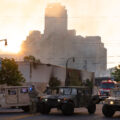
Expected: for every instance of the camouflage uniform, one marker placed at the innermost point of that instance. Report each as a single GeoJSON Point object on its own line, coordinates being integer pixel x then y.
{"type": "Point", "coordinates": [33, 100]}
{"type": "Point", "coordinates": [47, 91]}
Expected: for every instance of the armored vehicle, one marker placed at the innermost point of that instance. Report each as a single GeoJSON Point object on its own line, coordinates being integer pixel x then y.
{"type": "Point", "coordinates": [15, 97]}
{"type": "Point", "coordinates": [67, 98]}
{"type": "Point", "coordinates": [112, 103]}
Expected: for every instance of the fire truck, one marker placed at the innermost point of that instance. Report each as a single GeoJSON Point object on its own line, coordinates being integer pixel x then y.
{"type": "Point", "coordinates": [105, 87]}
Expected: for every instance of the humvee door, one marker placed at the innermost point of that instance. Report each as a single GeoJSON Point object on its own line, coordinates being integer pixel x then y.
{"type": "Point", "coordinates": [23, 95]}
{"type": "Point", "coordinates": [11, 95]}
{"type": "Point", "coordinates": [83, 97]}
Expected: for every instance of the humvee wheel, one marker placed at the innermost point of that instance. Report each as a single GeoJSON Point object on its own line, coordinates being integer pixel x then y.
{"type": "Point", "coordinates": [96, 99]}
{"type": "Point", "coordinates": [68, 108]}
{"type": "Point", "coordinates": [107, 111]}
{"type": "Point", "coordinates": [44, 108]}
{"type": "Point", "coordinates": [91, 108]}
{"type": "Point", "coordinates": [26, 108]}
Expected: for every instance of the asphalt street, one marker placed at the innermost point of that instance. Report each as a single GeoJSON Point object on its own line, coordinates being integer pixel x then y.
{"type": "Point", "coordinates": [80, 114]}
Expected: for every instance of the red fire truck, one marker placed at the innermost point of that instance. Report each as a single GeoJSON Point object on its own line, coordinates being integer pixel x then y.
{"type": "Point", "coordinates": [105, 87]}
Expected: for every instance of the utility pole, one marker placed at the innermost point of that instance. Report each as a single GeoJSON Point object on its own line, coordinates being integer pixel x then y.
{"type": "Point", "coordinates": [67, 81]}
{"type": "Point", "coordinates": [0, 58]}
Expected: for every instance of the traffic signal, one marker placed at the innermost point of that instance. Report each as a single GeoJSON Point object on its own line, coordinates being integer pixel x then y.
{"type": "Point", "coordinates": [5, 42]}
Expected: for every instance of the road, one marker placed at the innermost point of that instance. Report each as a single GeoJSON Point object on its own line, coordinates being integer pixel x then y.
{"type": "Point", "coordinates": [80, 114]}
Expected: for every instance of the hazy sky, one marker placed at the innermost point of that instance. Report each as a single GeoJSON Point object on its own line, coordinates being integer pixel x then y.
{"type": "Point", "coordinates": [87, 17]}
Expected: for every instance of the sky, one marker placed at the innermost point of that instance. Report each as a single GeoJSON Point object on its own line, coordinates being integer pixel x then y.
{"type": "Point", "coordinates": [87, 17]}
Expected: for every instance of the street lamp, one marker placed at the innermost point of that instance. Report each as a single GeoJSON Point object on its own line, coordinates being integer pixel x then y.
{"type": "Point", "coordinates": [4, 40]}
{"type": "Point", "coordinates": [67, 81]}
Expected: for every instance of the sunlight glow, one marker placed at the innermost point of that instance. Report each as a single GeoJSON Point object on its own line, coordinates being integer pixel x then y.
{"type": "Point", "coordinates": [14, 42]}
{"type": "Point", "coordinates": [87, 17]}
{"type": "Point", "coordinates": [11, 49]}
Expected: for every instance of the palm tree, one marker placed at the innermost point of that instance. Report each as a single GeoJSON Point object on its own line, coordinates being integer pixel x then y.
{"type": "Point", "coordinates": [33, 62]}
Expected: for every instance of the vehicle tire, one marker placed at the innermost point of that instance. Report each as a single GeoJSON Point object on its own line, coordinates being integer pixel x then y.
{"type": "Point", "coordinates": [44, 108]}
{"type": "Point", "coordinates": [68, 108]}
{"type": "Point", "coordinates": [107, 111]}
{"type": "Point", "coordinates": [26, 108]}
{"type": "Point", "coordinates": [91, 108]}
{"type": "Point", "coordinates": [38, 107]}
{"type": "Point", "coordinates": [96, 99]}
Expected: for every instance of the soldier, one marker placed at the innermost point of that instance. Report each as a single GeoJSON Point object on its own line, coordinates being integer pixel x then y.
{"type": "Point", "coordinates": [33, 99]}
{"type": "Point", "coordinates": [47, 90]}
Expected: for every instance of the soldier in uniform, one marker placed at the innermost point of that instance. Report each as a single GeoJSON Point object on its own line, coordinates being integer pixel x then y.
{"type": "Point", "coordinates": [47, 90]}
{"type": "Point", "coordinates": [33, 99]}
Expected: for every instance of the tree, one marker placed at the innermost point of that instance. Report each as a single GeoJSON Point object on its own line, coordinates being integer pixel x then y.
{"type": "Point", "coordinates": [34, 62]}
{"type": "Point", "coordinates": [116, 73]}
{"type": "Point", "coordinates": [9, 73]}
{"type": "Point", "coordinates": [54, 82]}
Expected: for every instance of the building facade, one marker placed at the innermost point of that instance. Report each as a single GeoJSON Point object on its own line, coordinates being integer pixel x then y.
{"type": "Point", "coordinates": [57, 44]}
{"type": "Point", "coordinates": [41, 74]}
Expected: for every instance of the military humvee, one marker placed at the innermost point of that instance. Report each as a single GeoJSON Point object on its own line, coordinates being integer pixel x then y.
{"type": "Point", "coordinates": [15, 97]}
{"type": "Point", "coordinates": [112, 104]}
{"type": "Point", "coordinates": [67, 98]}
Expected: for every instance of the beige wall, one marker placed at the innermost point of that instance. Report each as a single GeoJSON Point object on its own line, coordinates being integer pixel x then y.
{"type": "Point", "coordinates": [41, 74]}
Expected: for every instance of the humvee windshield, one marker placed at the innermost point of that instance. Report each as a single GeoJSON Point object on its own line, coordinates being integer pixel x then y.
{"type": "Point", "coordinates": [68, 91]}
{"type": "Point", "coordinates": [115, 93]}
{"type": "Point", "coordinates": [64, 91]}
